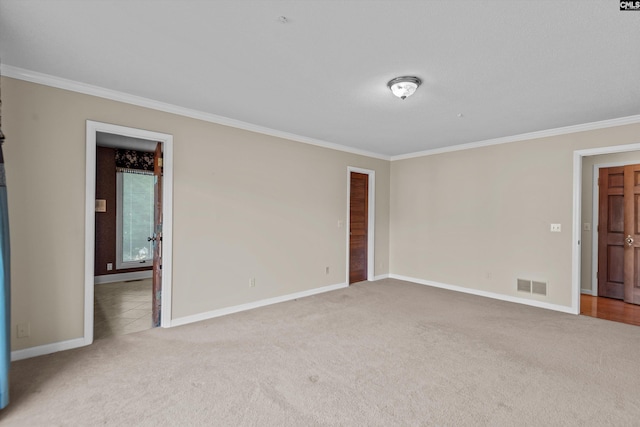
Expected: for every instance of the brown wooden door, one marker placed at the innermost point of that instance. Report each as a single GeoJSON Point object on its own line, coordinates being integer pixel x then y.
{"type": "Point", "coordinates": [619, 233]}
{"type": "Point", "coordinates": [157, 236]}
{"type": "Point", "coordinates": [358, 227]}
{"type": "Point", "coordinates": [632, 233]}
{"type": "Point", "coordinates": [611, 233]}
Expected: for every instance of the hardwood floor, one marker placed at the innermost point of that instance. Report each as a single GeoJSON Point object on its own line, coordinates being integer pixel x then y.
{"type": "Point", "coordinates": [610, 309]}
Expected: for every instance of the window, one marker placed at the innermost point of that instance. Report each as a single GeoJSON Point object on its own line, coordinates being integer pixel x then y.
{"type": "Point", "coordinates": [134, 219]}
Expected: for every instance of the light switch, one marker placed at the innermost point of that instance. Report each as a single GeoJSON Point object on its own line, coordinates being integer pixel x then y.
{"type": "Point", "coordinates": [556, 228]}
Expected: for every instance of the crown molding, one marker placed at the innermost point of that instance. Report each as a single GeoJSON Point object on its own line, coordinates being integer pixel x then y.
{"type": "Point", "coordinates": [60, 83]}
{"type": "Point", "coordinates": [525, 136]}
{"type": "Point", "coordinates": [87, 89]}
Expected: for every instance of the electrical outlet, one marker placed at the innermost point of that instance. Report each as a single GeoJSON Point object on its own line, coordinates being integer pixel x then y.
{"type": "Point", "coordinates": [556, 228]}
{"type": "Point", "coordinates": [109, 266]}
{"type": "Point", "coordinates": [24, 330]}
{"type": "Point", "coordinates": [252, 282]}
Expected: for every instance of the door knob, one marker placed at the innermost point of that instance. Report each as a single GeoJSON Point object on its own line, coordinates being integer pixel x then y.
{"type": "Point", "coordinates": [629, 240]}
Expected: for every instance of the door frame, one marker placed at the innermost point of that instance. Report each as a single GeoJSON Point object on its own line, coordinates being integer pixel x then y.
{"type": "Point", "coordinates": [371, 219]}
{"type": "Point", "coordinates": [576, 249]}
{"type": "Point", "coordinates": [92, 127]}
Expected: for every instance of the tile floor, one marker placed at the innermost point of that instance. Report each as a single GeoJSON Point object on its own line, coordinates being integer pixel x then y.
{"type": "Point", "coordinates": [121, 308]}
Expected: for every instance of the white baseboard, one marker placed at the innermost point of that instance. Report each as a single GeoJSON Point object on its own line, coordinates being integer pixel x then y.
{"type": "Point", "coordinates": [121, 277]}
{"type": "Point", "coordinates": [47, 349]}
{"type": "Point", "coordinates": [589, 292]}
{"type": "Point", "coordinates": [380, 277]}
{"type": "Point", "coordinates": [256, 304]}
{"type": "Point", "coordinates": [508, 298]}
{"type": "Point", "coordinates": [81, 342]}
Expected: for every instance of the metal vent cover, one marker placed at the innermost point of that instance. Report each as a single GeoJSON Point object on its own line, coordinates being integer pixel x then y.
{"type": "Point", "coordinates": [524, 285]}
{"type": "Point", "coordinates": [539, 288]}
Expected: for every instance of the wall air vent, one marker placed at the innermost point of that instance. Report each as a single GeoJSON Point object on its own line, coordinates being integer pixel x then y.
{"type": "Point", "coordinates": [533, 287]}
{"type": "Point", "coordinates": [539, 288]}
{"type": "Point", "coordinates": [524, 285]}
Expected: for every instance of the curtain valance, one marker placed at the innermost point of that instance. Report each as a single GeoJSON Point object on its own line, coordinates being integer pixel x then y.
{"type": "Point", "coordinates": [134, 160]}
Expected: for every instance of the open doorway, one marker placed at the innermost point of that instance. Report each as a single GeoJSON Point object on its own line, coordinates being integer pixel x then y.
{"type": "Point", "coordinates": [150, 245]}
{"type": "Point", "coordinates": [587, 164]}
{"type": "Point", "coordinates": [605, 253]}
{"type": "Point", "coordinates": [124, 222]}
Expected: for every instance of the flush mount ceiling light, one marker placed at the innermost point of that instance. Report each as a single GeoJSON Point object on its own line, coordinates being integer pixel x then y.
{"type": "Point", "coordinates": [405, 86]}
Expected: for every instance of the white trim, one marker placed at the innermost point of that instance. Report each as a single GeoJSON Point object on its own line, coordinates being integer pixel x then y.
{"type": "Point", "coordinates": [89, 233]}
{"type": "Point", "coordinates": [577, 213]}
{"type": "Point", "coordinates": [371, 220]}
{"type": "Point", "coordinates": [501, 297]}
{"type": "Point", "coordinates": [92, 127]}
{"type": "Point", "coordinates": [595, 220]}
{"type": "Point", "coordinates": [525, 136]}
{"type": "Point", "coordinates": [257, 304]}
{"type": "Point", "coordinates": [576, 230]}
{"type": "Point", "coordinates": [167, 232]}
{"type": "Point", "coordinates": [122, 277]}
{"type": "Point", "coordinates": [60, 83]}
{"type": "Point", "coordinates": [381, 277]}
{"type": "Point", "coordinates": [47, 349]}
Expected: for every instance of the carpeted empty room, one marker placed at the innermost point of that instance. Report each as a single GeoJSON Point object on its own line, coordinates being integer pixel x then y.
{"type": "Point", "coordinates": [375, 353]}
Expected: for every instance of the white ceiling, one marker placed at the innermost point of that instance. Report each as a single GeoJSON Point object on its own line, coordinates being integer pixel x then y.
{"type": "Point", "coordinates": [509, 67]}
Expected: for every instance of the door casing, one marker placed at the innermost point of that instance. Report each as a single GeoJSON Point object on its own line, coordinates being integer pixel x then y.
{"type": "Point", "coordinates": [92, 127]}
{"type": "Point", "coordinates": [577, 214]}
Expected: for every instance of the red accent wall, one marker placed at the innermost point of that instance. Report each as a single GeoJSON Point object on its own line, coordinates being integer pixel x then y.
{"type": "Point", "coordinates": [105, 250]}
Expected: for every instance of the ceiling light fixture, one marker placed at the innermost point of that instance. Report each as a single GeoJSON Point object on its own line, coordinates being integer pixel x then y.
{"type": "Point", "coordinates": [405, 86]}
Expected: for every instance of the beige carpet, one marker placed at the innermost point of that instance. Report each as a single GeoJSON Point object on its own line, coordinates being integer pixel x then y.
{"type": "Point", "coordinates": [386, 353]}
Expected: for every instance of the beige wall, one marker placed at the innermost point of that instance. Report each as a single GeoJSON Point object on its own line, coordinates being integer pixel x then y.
{"type": "Point", "coordinates": [245, 205]}
{"type": "Point", "coordinates": [480, 218]}
{"type": "Point", "coordinates": [587, 208]}
{"type": "Point", "coordinates": [249, 205]}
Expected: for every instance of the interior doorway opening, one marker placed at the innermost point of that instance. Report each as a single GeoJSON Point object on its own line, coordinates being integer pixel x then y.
{"type": "Point", "coordinates": [101, 135]}
{"type": "Point", "coordinates": [585, 220]}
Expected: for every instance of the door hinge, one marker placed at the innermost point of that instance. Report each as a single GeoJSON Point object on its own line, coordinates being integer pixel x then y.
{"type": "Point", "coordinates": [160, 162]}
